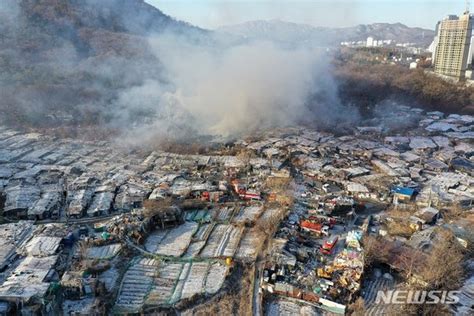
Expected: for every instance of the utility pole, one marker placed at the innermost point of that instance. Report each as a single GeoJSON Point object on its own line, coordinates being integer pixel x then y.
{"type": "Point", "coordinates": [431, 192]}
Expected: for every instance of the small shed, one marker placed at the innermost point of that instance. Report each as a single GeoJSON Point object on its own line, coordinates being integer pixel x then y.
{"type": "Point", "coordinates": [403, 194]}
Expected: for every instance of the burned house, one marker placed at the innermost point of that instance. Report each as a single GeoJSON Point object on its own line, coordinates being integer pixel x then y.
{"type": "Point", "coordinates": [43, 246]}
{"type": "Point", "coordinates": [11, 237]}
{"type": "Point", "coordinates": [101, 203]}
{"type": "Point", "coordinates": [50, 203]}
{"type": "Point", "coordinates": [130, 196]}
{"type": "Point", "coordinates": [78, 202]}
{"type": "Point", "coordinates": [19, 199]}
{"type": "Point", "coordinates": [428, 215]}
{"type": "Point", "coordinates": [72, 285]}
{"type": "Point", "coordinates": [28, 282]}
{"type": "Point", "coordinates": [79, 195]}
{"type": "Point", "coordinates": [27, 286]}
{"type": "Point", "coordinates": [163, 216]}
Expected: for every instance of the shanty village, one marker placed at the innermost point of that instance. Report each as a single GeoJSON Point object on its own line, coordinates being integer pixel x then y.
{"type": "Point", "coordinates": [289, 221]}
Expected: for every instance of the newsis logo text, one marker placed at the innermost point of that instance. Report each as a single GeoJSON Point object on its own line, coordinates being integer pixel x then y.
{"type": "Point", "coordinates": [417, 297]}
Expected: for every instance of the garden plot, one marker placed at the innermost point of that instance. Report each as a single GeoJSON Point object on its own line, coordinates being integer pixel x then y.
{"type": "Point", "coordinates": [194, 249]}
{"type": "Point", "coordinates": [165, 284]}
{"type": "Point", "coordinates": [199, 240]}
{"type": "Point", "coordinates": [200, 216]}
{"type": "Point", "coordinates": [176, 240]}
{"type": "Point", "coordinates": [223, 241]}
{"type": "Point", "coordinates": [154, 239]}
{"type": "Point", "coordinates": [109, 278]}
{"type": "Point", "coordinates": [136, 285]}
{"type": "Point", "coordinates": [177, 281]}
{"type": "Point", "coordinates": [195, 281]}
{"type": "Point", "coordinates": [216, 277]}
{"type": "Point", "coordinates": [248, 214]}
{"type": "Point", "coordinates": [203, 232]}
{"type": "Point", "coordinates": [250, 245]}
{"type": "Point", "coordinates": [224, 214]}
{"type": "Point", "coordinates": [286, 307]}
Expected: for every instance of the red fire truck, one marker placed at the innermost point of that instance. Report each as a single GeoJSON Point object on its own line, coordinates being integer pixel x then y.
{"type": "Point", "coordinates": [314, 227]}
{"type": "Point", "coordinates": [329, 245]}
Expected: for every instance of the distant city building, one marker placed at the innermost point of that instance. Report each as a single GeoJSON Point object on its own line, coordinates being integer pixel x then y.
{"type": "Point", "coordinates": [370, 41]}
{"type": "Point", "coordinates": [452, 46]}
{"type": "Point", "coordinates": [433, 45]}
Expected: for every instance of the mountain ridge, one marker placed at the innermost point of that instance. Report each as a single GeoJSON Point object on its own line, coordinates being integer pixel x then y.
{"type": "Point", "coordinates": [283, 31]}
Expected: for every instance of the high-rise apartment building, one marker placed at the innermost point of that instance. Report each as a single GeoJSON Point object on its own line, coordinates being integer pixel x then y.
{"type": "Point", "coordinates": [453, 49]}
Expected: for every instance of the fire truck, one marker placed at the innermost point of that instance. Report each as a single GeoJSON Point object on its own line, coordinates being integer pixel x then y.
{"type": "Point", "coordinates": [243, 193]}
{"type": "Point", "coordinates": [329, 245]}
{"type": "Point", "coordinates": [323, 219]}
{"type": "Point", "coordinates": [314, 227]}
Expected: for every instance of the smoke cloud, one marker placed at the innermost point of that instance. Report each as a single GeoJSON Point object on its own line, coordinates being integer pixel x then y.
{"type": "Point", "coordinates": [230, 90]}
{"type": "Point", "coordinates": [123, 65]}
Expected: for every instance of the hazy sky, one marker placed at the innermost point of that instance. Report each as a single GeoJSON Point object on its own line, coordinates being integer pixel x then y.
{"type": "Point", "coordinates": [214, 13]}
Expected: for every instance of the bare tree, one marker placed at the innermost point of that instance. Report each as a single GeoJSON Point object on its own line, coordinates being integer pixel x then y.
{"type": "Point", "coordinates": [410, 260]}
{"type": "Point", "coordinates": [443, 268]}
{"type": "Point", "coordinates": [358, 308]}
{"type": "Point", "coordinates": [376, 249]}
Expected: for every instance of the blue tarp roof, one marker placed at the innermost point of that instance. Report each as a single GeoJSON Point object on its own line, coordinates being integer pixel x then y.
{"type": "Point", "coordinates": [403, 191]}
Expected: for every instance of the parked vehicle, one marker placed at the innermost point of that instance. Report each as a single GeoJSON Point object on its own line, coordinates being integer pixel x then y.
{"type": "Point", "coordinates": [314, 227]}
{"type": "Point", "coordinates": [329, 245]}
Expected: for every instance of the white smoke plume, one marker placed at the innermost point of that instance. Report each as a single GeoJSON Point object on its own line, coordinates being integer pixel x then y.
{"type": "Point", "coordinates": [230, 90]}
{"type": "Point", "coordinates": [122, 64]}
